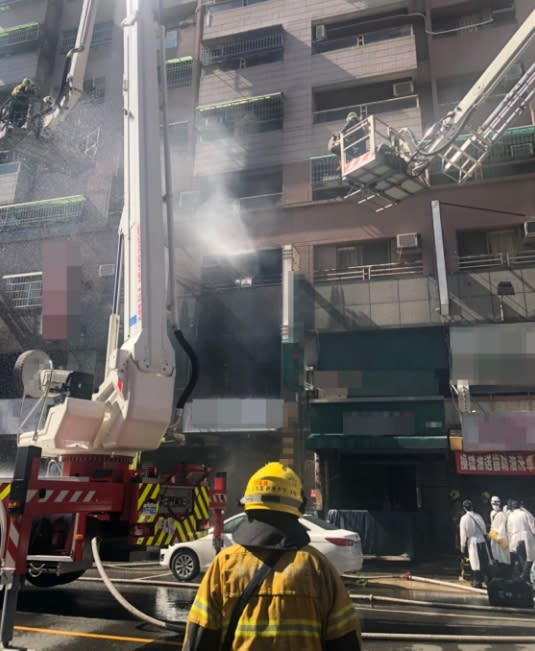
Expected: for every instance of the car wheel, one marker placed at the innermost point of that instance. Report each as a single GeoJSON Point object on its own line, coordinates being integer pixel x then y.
{"type": "Point", "coordinates": [184, 565]}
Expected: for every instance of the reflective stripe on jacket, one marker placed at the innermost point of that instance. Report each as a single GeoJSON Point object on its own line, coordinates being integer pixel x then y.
{"type": "Point", "coordinates": [301, 606]}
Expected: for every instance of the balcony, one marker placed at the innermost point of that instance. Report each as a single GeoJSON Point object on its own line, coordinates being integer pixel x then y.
{"type": "Point", "coordinates": [398, 112]}
{"type": "Point", "coordinates": [394, 56]}
{"type": "Point", "coordinates": [371, 271]}
{"type": "Point", "coordinates": [495, 260]}
{"type": "Point", "coordinates": [20, 38]}
{"type": "Point", "coordinates": [225, 5]}
{"type": "Point", "coordinates": [18, 221]}
{"type": "Point", "coordinates": [102, 37]}
{"type": "Point", "coordinates": [243, 50]}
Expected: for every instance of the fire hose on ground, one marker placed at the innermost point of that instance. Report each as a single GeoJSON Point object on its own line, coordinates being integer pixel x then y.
{"type": "Point", "coordinates": [413, 637]}
{"type": "Point", "coordinates": [122, 601]}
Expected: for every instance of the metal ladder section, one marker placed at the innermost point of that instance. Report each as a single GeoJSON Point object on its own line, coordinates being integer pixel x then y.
{"type": "Point", "coordinates": [459, 162]}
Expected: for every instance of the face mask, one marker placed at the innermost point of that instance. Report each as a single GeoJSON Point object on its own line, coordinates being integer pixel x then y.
{"type": "Point", "coordinates": [496, 506]}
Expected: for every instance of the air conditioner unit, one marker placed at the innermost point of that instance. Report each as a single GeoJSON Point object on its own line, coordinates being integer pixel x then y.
{"type": "Point", "coordinates": [529, 229]}
{"type": "Point", "coordinates": [408, 241]}
{"type": "Point", "coordinates": [105, 270]}
{"type": "Point", "coordinates": [402, 88]}
{"type": "Point", "coordinates": [320, 33]}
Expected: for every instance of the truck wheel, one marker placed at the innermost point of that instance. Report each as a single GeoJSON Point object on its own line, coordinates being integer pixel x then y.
{"type": "Point", "coordinates": [184, 565]}
{"type": "Point", "coordinates": [45, 580]}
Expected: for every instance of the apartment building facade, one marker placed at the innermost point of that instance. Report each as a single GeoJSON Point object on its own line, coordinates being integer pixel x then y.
{"type": "Point", "coordinates": [389, 392]}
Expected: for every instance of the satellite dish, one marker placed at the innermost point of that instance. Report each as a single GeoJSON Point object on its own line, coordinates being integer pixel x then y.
{"type": "Point", "coordinates": [27, 372]}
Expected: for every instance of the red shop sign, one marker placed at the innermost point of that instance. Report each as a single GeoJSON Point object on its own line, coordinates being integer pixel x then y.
{"type": "Point", "coordinates": [495, 463]}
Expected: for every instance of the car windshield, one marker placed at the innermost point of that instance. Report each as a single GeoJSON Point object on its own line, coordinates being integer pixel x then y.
{"type": "Point", "coordinates": [319, 523]}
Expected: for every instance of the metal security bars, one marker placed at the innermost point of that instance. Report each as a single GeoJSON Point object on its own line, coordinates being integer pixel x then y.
{"type": "Point", "coordinates": [243, 50]}
{"type": "Point", "coordinates": [224, 5]}
{"type": "Point", "coordinates": [240, 117]}
{"type": "Point", "coordinates": [19, 37]}
{"type": "Point", "coordinates": [102, 36]}
{"type": "Point", "coordinates": [325, 172]}
{"type": "Point", "coordinates": [179, 72]}
{"type": "Point", "coordinates": [24, 290]}
{"type": "Point", "coordinates": [95, 89]}
{"type": "Point", "coordinates": [41, 213]}
{"type": "Point", "coordinates": [515, 144]}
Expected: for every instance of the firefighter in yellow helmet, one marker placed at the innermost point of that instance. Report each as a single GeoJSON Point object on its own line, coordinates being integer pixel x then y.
{"type": "Point", "coordinates": [272, 590]}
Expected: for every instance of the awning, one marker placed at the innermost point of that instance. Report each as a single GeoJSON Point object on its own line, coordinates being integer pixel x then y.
{"type": "Point", "coordinates": [179, 60]}
{"type": "Point", "coordinates": [239, 102]}
{"type": "Point", "coordinates": [348, 442]}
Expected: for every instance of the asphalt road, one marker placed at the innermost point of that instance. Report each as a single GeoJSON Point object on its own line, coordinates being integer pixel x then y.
{"type": "Point", "coordinates": [84, 616]}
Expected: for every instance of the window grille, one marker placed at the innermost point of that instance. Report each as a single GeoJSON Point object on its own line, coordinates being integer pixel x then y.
{"type": "Point", "coordinates": [178, 134]}
{"type": "Point", "coordinates": [102, 36]}
{"type": "Point", "coordinates": [41, 213]}
{"type": "Point", "coordinates": [225, 5]}
{"type": "Point", "coordinates": [241, 50]}
{"type": "Point", "coordinates": [24, 290]}
{"type": "Point", "coordinates": [179, 72]}
{"type": "Point", "coordinates": [325, 172]}
{"type": "Point", "coordinates": [252, 115]}
{"type": "Point", "coordinates": [95, 89]}
{"type": "Point", "coordinates": [19, 35]}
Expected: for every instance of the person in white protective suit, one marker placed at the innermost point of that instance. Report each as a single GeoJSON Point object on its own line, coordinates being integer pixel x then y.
{"type": "Point", "coordinates": [499, 543]}
{"type": "Point", "coordinates": [472, 532]}
{"type": "Point", "coordinates": [521, 534]}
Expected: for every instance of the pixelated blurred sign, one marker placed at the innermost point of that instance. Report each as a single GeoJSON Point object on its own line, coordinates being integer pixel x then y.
{"type": "Point", "coordinates": [499, 431]}
{"type": "Point", "coordinates": [498, 354]}
{"type": "Point", "coordinates": [497, 463]}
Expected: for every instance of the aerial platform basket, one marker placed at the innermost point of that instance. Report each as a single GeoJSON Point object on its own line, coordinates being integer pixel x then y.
{"type": "Point", "coordinates": [370, 166]}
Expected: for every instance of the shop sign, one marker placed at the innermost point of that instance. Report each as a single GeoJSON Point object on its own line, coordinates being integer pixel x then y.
{"type": "Point", "coordinates": [495, 463]}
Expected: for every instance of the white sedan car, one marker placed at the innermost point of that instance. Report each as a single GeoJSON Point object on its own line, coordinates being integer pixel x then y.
{"type": "Point", "coordinates": [343, 548]}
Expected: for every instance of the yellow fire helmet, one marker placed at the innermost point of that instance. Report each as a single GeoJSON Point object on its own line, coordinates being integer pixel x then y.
{"type": "Point", "coordinates": [274, 487]}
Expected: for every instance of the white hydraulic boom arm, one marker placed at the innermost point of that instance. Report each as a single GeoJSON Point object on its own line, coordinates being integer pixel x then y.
{"type": "Point", "coordinates": [72, 84]}
{"type": "Point", "coordinates": [135, 403]}
{"type": "Point", "coordinates": [386, 165]}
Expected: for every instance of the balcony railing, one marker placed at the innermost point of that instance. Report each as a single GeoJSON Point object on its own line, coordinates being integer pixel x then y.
{"type": "Point", "coordinates": [240, 282]}
{"type": "Point", "coordinates": [493, 260]}
{"type": "Point", "coordinates": [242, 46]}
{"type": "Point", "coordinates": [19, 37]}
{"type": "Point", "coordinates": [364, 110]}
{"type": "Point", "coordinates": [225, 5]}
{"type": "Point", "coordinates": [41, 213]}
{"type": "Point", "coordinates": [325, 172]}
{"type": "Point", "coordinates": [361, 40]}
{"type": "Point", "coordinates": [260, 201]}
{"type": "Point", "coordinates": [370, 271]}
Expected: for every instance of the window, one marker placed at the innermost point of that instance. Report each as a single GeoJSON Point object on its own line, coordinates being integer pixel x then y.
{"type": "Point", "coordinates": [24, 290]}
{"type": "Point", "coordinates": [179, 72]}
{"type": "Point", "coordinates": [102, 36]}
{"type": "Point", "coordinates": [95, 89]}
{"type": "Point", "coordinates": [485, 243]}
{"type": "Point", "coordinates": [243, 50]}
{"type": "Point", "coordinates": [332, 104]}
{"type": "Point", "coordinates": [363, 254]}
{"type": "Point", "coordinates": [244, 270]}
{"type": "Point", "coordinates": [256, 189]}
{"type": "Point", "coordinates": [493, 13]}
{"type": "Point", "coordinates": [178, 135]}
{"type": "Point", "coordinates": [225, 5]}
{"type": "Point", "coordinates": [240, 117]}
{"type": "Point", "coordinates": [355, 32]}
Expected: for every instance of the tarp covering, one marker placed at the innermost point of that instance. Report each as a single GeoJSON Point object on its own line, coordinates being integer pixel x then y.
{"type": "Point", "coordinates": [386, 533]}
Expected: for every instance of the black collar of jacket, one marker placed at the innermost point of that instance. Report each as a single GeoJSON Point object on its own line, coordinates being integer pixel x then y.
{"type": "Point", "coordinates": [271, 530]}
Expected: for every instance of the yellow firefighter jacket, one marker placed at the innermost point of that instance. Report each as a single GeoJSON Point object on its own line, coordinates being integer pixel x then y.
{"type": "Point", "coordinates": [300, 606]}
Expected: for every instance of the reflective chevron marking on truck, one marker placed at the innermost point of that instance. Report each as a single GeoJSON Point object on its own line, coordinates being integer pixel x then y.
{"type": "Point", "coordinates": [148, 502]}
{"type": "Point", "coordinates": [169, 529]}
